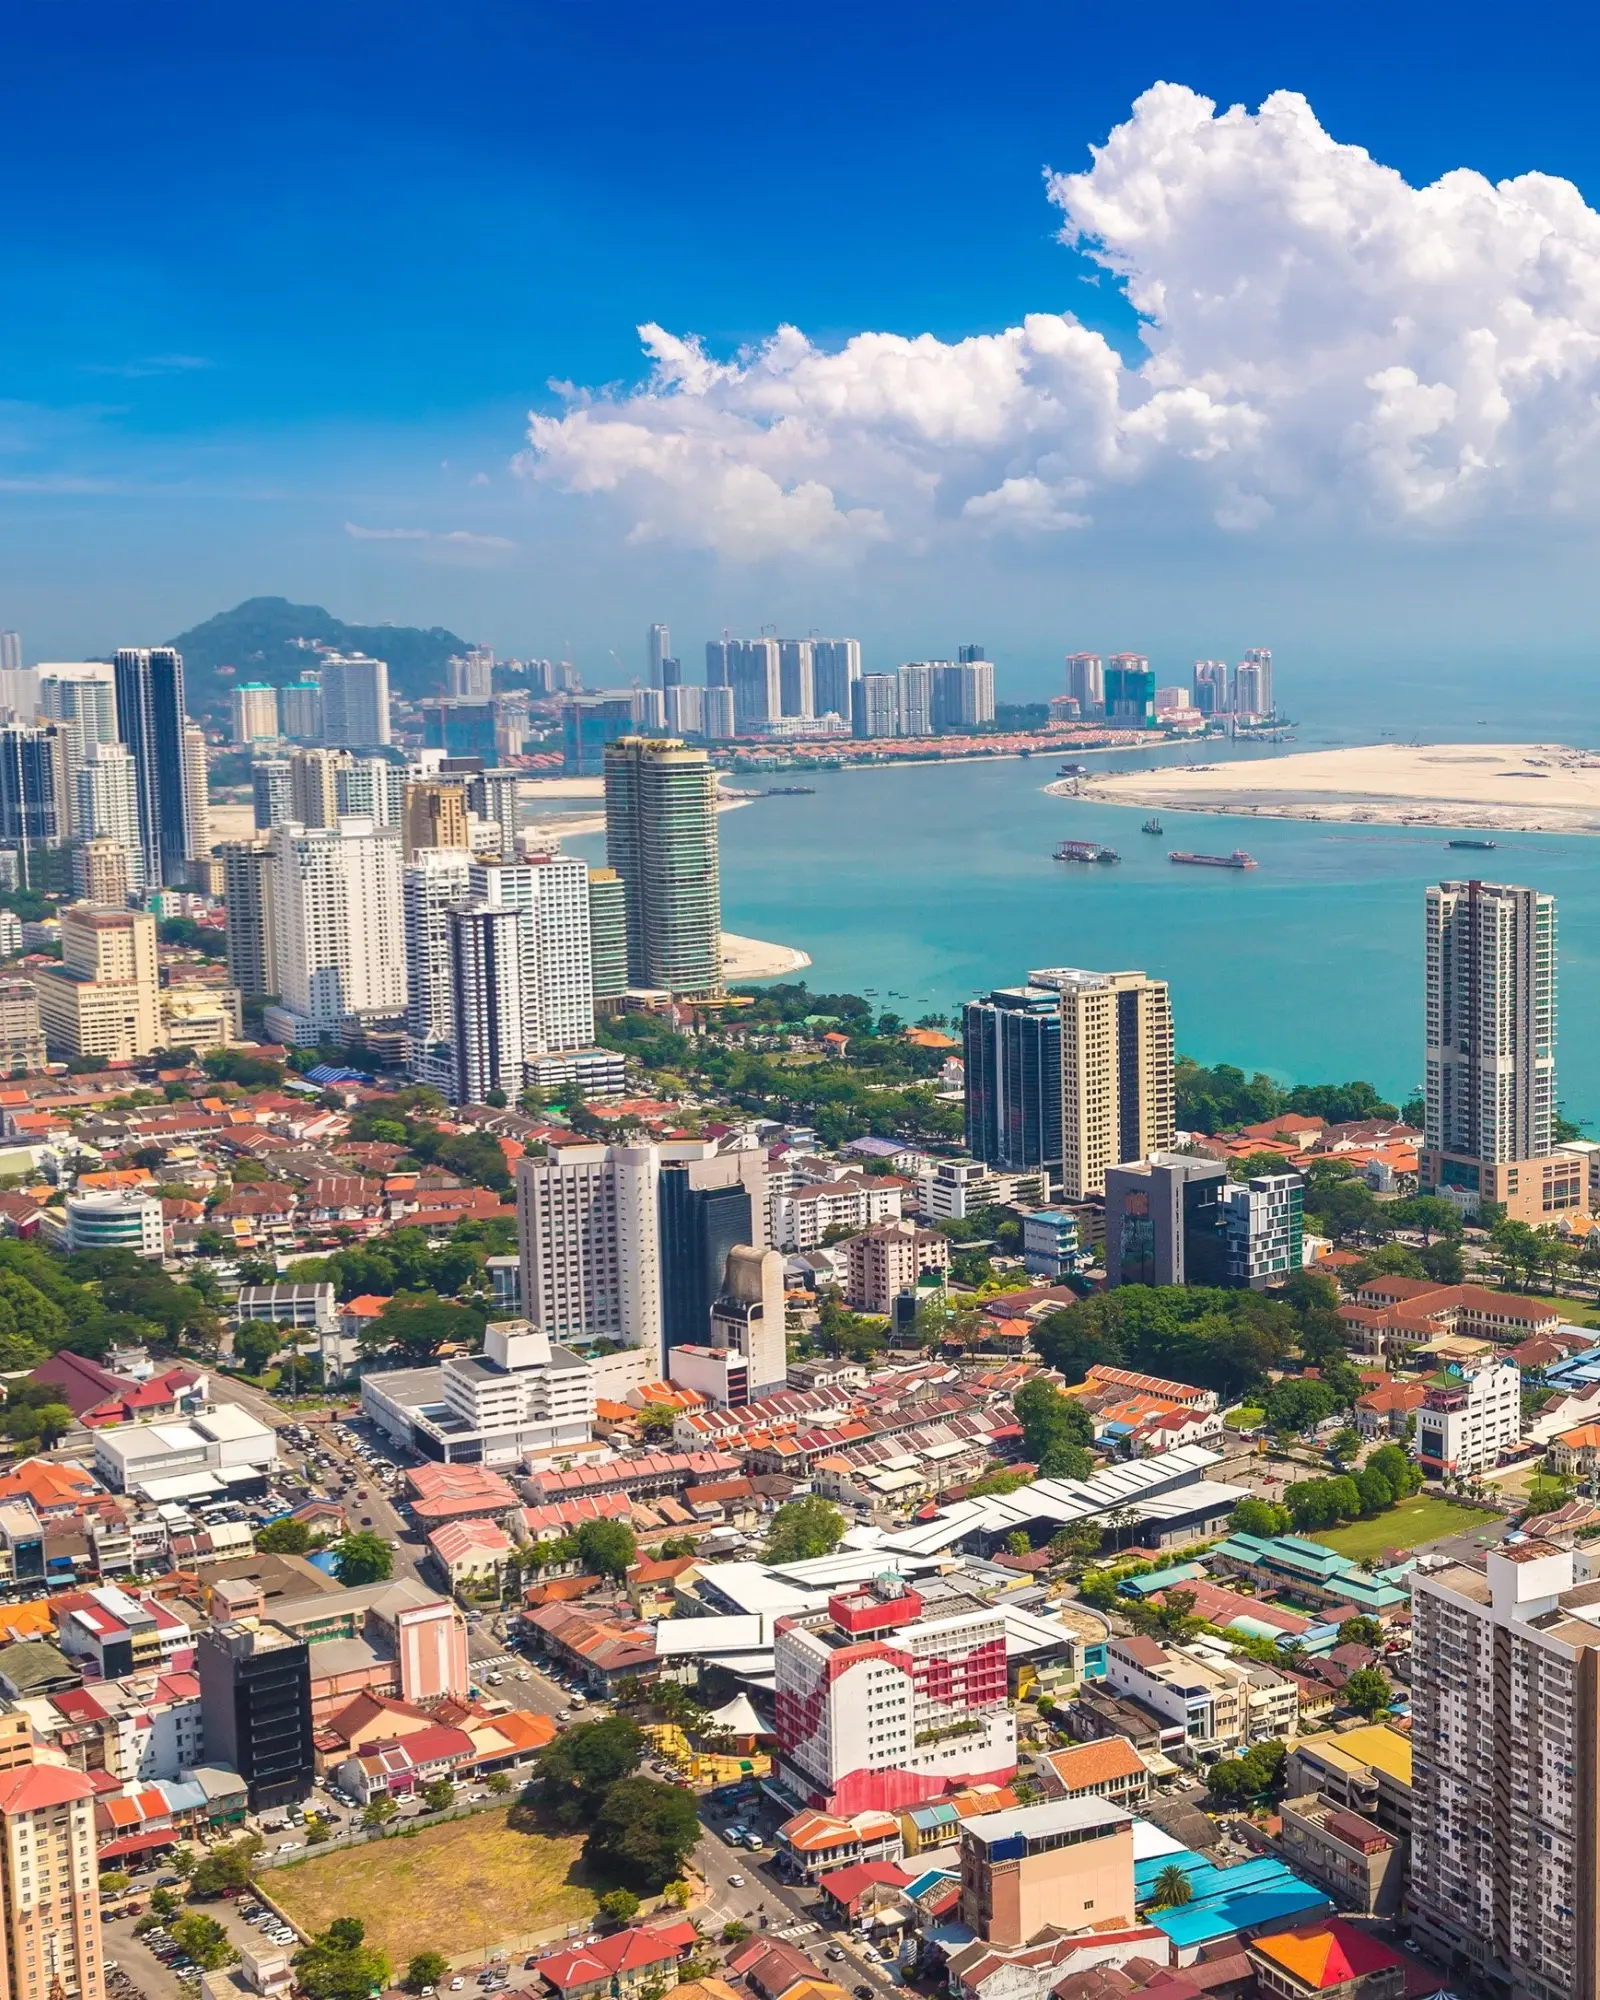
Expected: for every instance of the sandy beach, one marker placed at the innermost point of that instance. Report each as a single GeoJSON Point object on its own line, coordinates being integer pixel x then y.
{"type": "Point", "coordinates": [753, 958]}
{"type": "Point", "coordinates": [1504, 787]}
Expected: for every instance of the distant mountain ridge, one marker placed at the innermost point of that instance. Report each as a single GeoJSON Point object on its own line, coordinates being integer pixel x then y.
{"type": "Point", "coordinates": [258, 640]}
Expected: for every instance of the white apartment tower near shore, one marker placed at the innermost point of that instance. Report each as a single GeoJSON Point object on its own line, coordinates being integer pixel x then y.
{"type": "Point", "coordinates": [355, 702]}
{"type": "Point", "coordinates": [551, 891]}
{"type": "Point", "coordinates": [433, 885]}
{"type": "Point", "coordinates": [589, 1236]}
{"type": "Point", "coordinates": [1505, 1747]}
{"type": "Point", "coordinates": [340, 928]}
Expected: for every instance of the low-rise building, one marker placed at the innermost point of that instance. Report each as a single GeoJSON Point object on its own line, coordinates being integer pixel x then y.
{"type": "Point", "coordinates": [1110, 1768]}
{"type": "Point", "coordinates": [1067, 1864]}
{"type": "Point", "coordinates": [1332, 1960]}
{"type": "Point", "coordinates": [1469, 1417]}
{"type": "Point", "coordinates": [1366, 1770]}
{"type": "Point", "coordinates": [1361, 1866]}
{"type": "Point", "coordinates": [883, 1263]}
{"type": "Point", "coordinates": [1217, 1701]}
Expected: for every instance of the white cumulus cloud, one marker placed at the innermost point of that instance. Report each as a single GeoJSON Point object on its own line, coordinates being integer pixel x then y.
{"type": "Point", "coordinates": [1322, 343]}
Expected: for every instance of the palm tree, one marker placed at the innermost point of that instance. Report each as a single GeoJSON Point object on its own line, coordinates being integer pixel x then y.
{"type": "Point", "coordinates": [1172, 1888]}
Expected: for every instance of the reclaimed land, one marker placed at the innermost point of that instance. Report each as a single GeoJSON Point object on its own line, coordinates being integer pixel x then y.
{"type": "Point", "coordinates": [1411, 1524]}
{"type": "Point", "coordinates": [455, 1888]}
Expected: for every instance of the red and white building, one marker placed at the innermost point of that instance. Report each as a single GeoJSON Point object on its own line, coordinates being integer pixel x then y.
{"type": "Point", "coordinates": [880, 1708]}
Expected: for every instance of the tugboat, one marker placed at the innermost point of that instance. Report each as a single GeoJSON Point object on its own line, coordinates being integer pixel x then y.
{"type": "Point", "coordinates": [1152, 826]}
{"type": "Point", "coordinates": [1086, 850]}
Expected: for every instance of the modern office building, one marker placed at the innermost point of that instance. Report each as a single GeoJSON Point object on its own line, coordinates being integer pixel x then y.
{"type": "Point", "coordinates": [1118, 1102]}
{"type": "Point", "coordinates": [272, 792]}
{"type": "Point", "coordinates": [608, 938]}
{"type": "Point", "coordinates": [657, 650]}
{"type": "Point", "coordinates": [102, 999]}
{"type": "Point", "coordinates": [150, 715]}
{"type": "Point", "coordinates": [49, 1879]}
{"type": "Point", "coordinates": [1490, 1075]}
{"type": "Point", "coordinates": [589, 1239]}
{"type": "Point", "coordinates": [248, 872]}
{"type": "Point", "coordinates": [255, 1706]}
{"type": "Point", "coordinates": [120, 1221]}
{"type": "Point", "coordinates": [1264, 1237]}
{"type": "Point", "coordinates": [1165, 1221]}
{"type": "Point", "coordinates": [1011, 1049]}
{"type": "Point", "coordinates": [102, 871]}
{"type": "Point", "coordinates": [34, 816]}
{"type": "Point", "coordinates": [314, 787]}
{"type": "Point", "coordinates": [524, 1393]}
{"type": "Point", "coordinates": [435, 815]}
{"type": "Point", "coordinates": [433, 885]}
{"type": "Point", "coordinates": [661, 838]}
{"type": "Point", "coordinates": [107, 806]}
{"type": "Point", "coordinates": [254, 706]}
{"type": "Point", "coordinates": [81, 699]}
{"type": "Point", "coordinates": [1086, 683]}
{"type": "Point", "coordinates": [835, 669]}
{"type": "Point", "coordinates": [489, 964]}
{"type": "Point", "coordinates": [1505, 1747]}
{"type": "Point", "coordinates": [1130, 691]}
{"type": "Point", "coordinates": [339, 925]}
{"type": "Point", "coordinates": [461, 729]}
{"type": "Point", "coordinates": [355, 701]}
{"type": "Point", "coordinates": [875, 706]}
{"type": "Point", "coordinates": [879, 1707]}
{"type": "Point", "coordinates": [588, 723]}
{"type": "Point", "coordinates": [300, 711]}
{"type": "Point", "coordinates": [1467, 1421]}
{"type": "Point", "coordinates": [707, 1205]}
{"type": "Point", "coordinates": [683, 710]}
{"type": "Point", "coordinates": [1213, 687]}
{"type": "Point", "coordinates": [796, 679]}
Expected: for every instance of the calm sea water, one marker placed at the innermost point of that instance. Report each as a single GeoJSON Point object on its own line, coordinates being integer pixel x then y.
{"type": "Point", "coordinates": [937, 882]}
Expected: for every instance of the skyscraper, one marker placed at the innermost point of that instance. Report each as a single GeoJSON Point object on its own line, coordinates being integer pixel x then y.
{"type": "Point", "coordinates": [657, 651]}
{"type": "Point", "coordinates": [108, 804]}
{"type": "Point", "coordinates": [355, 701]}
{"type": "Point", "coordinates": [100, 872]}
{"type": "Point", "coordinates": [1117, 1093]}
{"type": "Point", "coordinates": [371, 788]}
{"type": "Point", "coordinates": [33, 805]}
{"type": "Point", "coordinates": [248, 868]}
{"type": "Point", "coordinates": [1259, 662]}
{"type": "Point", "coordinates": [339, 926]}
{"type": "Point", "coordinates": [493, 796]}
{"type": "Point", "coordinates": [588, 723]}
{"type": "Point", "coordinates": [300, 711]}
{"type": "Point", "coordinates": [1165, 1221]}
{"type": "Point", "coordinates": [255, 712]}
{"type": "Point", "coordinates": [551, 893]}
{"type": "Point", "coordinates": [1130, 699]}
{"type": "Point", "coordinates": [1490, 1005]}
{"type": "Point", "coordinates": [489, 964]}
{"type": "Point", "coordinates": [684, 709]}
{"type": "Point", "coordinates": [49, 1888]}
{"type": "Point", "coordinates": [10, 652]}
{"type": "Point", "coordinates": [608, 938]}
{"type": "Point", "coordinates": [150, 714]}
{"type": "Point", "coordinates": [1012, 1055]}
{"type": "Point", "coordinates": [102, 999]}
{"type": "Point", "coordinates": [709, 1203]}
{"type": "Point", "coordinates": [915, 697]}
{"type": "Point", "coordinates": [1213, 687]}
{"type": "Point", "coordinates": [835, 669]}
{"type": "Point", "coordinates": [1505, 1760]}
{"type": "Point", "coordinates": [963, 694]}
{"type": "Point", "coordinates": [590, 1244]}
{"type": "Point", "coordinates": [661, 838]}
{"type": "Point", "coordinates": [875, 706]}
{"type": "Point", "coordinates": [272, 791]}
{"type": "Point", "coordinates": [81, 700]}
{"type": "Point", "coordinates": [796, 682]}
{"type": "Point", "coordinates": [196, 800]}
{"type": "Point", "coordinates": [717, 724]}
{"type": "Point", "coordinates": [313, 787]}
{"type": "Point", "coordinates": [1086, 682]}
{"type": "Point", "coordinates": [754, 672]}
{"type": "Point", "coordinates": [435, 815]}
{"type": "Point", "coordinates": [435, 883]}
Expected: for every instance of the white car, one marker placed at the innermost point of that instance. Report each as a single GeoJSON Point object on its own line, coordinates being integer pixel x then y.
{"type": "Point", "coordinates": [735, 1881]}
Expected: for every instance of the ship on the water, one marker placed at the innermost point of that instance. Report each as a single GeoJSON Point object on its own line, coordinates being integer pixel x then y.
{"type": "Point", "coordinates": [1086, 850]}
{"type": "Point", "coordinates": [1485, 845]}
{"type": "Point", "coordinates": [1152, 826]}
{"type": "Point", "coordinates": [1073, 771]}
{"type": "Point", "coordinates": [1237, 859]}
{"type": "Point", "coordinates": [789, 792]}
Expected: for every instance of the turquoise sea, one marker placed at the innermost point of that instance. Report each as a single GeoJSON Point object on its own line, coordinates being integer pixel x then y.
{"type": "Point", "coordinates": [936, 882]}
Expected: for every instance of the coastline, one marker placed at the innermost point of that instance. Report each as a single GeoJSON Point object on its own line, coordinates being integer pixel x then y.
{"type": "Point", "coordinates": [1481, 787]}
{"type": "Point", "coordinates": [753, 958]}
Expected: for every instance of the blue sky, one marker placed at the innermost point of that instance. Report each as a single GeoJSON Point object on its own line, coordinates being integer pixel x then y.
{"type": "Point", "coordinates": [272, 276]}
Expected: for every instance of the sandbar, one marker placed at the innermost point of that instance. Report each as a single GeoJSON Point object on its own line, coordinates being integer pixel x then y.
{"type": "Point", "coordinates": [753, 958]}
{"type": "Point", "coordinates": [1504, 787]}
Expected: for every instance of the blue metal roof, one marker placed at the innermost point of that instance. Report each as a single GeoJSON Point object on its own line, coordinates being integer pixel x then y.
{"type": "Point", "coordinates": [1225, 1900]}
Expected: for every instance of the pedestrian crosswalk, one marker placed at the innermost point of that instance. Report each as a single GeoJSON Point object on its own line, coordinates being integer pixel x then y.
{"type": "Point", "coordinates": [494, 1663]}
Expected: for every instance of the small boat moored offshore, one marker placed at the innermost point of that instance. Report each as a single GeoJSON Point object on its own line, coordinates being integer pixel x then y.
{"type": "Point", "coordinates": [1237, 859]}
{"type": "Point", "coordinates": [1086, 850]}
{"type": "Point", "coordinates": [1152, 825]}
{"type": "Point", "coordinates": [1486, 845]}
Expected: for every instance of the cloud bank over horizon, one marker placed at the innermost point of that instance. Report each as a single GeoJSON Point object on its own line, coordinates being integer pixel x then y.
{"type": "Point", "coordinates": [1325, 347]}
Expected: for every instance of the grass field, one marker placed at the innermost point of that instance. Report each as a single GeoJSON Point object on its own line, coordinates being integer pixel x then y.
{"type": "Point", "coordinates": [1410, 1525]}
{"type": "Point", "coordinates": [451, 1888]}
{"type": "Point", "coordinates": [1581, 1312]}
{"type": "Point", "coordinates": [1244, 1416]}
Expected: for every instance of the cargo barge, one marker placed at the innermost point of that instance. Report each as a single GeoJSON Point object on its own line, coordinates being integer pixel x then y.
{"type": "Point", "coordinates": [1237, 859]}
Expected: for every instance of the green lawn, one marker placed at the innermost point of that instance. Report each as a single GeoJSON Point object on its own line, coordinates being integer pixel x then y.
{"type": "Point", "coordinates": [1244, 1416]}
{"type": "Point", "coordinates": [1412, 1524]}
{"type": "Point", "coordinates": [1581, 1312]}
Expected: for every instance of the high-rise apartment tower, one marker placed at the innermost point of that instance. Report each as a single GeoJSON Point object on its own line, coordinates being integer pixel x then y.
{"type": "Point", "coordinates": [1117, 1093]}
{"type": "Point", "coordinates": [661, 838]}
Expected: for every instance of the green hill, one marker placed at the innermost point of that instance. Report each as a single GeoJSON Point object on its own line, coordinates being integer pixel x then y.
{"type": "Point", "coordinates": [261, 640]}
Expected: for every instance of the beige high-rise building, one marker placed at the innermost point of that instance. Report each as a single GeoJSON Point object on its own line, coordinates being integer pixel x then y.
{"type": "Point", "coordinates": [21, 1037]}
{"type": "Point", "coordinates": [436, 816]}
{"type": "Point", "coordinates": [101, 870]}
{"type": "Point", "coordinates": [49, 1885]}
{"type": "Point", "coordinates": [196, 794]}
{"type": "Point", "coordinates": [102, 999]}
{"type": "Point", "coordinates": [255, 712]}
{"type": "Point", "coordinates": [1117, 1095]}
{"type": "Point", "coordinates": [248, 870]}
{"type": "Point", "coordinates": [1505, 1748]}
{"type": "Point", "coordinates": [314, 787]}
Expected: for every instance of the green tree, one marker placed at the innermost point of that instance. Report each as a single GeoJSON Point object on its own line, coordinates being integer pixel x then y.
{"type": "Point", "coordinates": [1344, 1445]}
{"type": "Point", "coordinates": [419, 1328]}
{"type": "Point", "coordinates": [581, 1765]}
{"type": "Point", "coordinates": [204, 1940]}
{"type": "Point", "coordinates": [606, 1547]}
{"type": "Point", "coordinates": [1295, 1405]}
{"type": "Point", "coordinates": [1403, 1473]}
{"type": "Point", "coordinates": [164, 1904]}
{"type": "Point", "coordinates": [1377, 1495]}
{"type": "Point", "coordinates": [362, 1557]}
{"type": "Point", "coordinates": [1259, 1517]}
{"type": "Point", "coordinates": [621, 1906]}
{"type": "Point", "coordinates": [1056, 1430]}
{"type": "Point", "coordinates": [254, 1345]}
{"type": "Point", "coordinates": [378, 1812]}
{"type": "Point", "coordinates": [1360, 1632]}
{"type": "Point", "coordinates": [1017, 1544]}
{"type": "Point", "coordinates": [438, 1794]}
{"type": "Point", "coordinates": [340, 1964]}
{"type": "Point", "coordinates": [225, 1867]}
{"type": "Point", "coordinates": [735, 1932]}
{"type": "Point", "coordinates": [113, 1882]}
{"type": "Point", "coordinates": [284, 1537]}
{"type": "Point", "coordinates": [1367, 1691]}
{"type": "Point", "coordinates": [804, 1529]}
{"type": "Point", "coordinates": [427, 1968]}
{"type": "Point", "coordinates": [654, 1421]}
{"type": "Point", "coordinates": [644, 1831]}
{"type": "Point", "coordinates": [1172, 1888]}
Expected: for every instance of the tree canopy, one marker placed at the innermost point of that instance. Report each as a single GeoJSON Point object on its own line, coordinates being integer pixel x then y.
{"type": "Point", "coordinates": [645, 1830]}
{"type": "Point", "coordinates": [803, 1530]}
